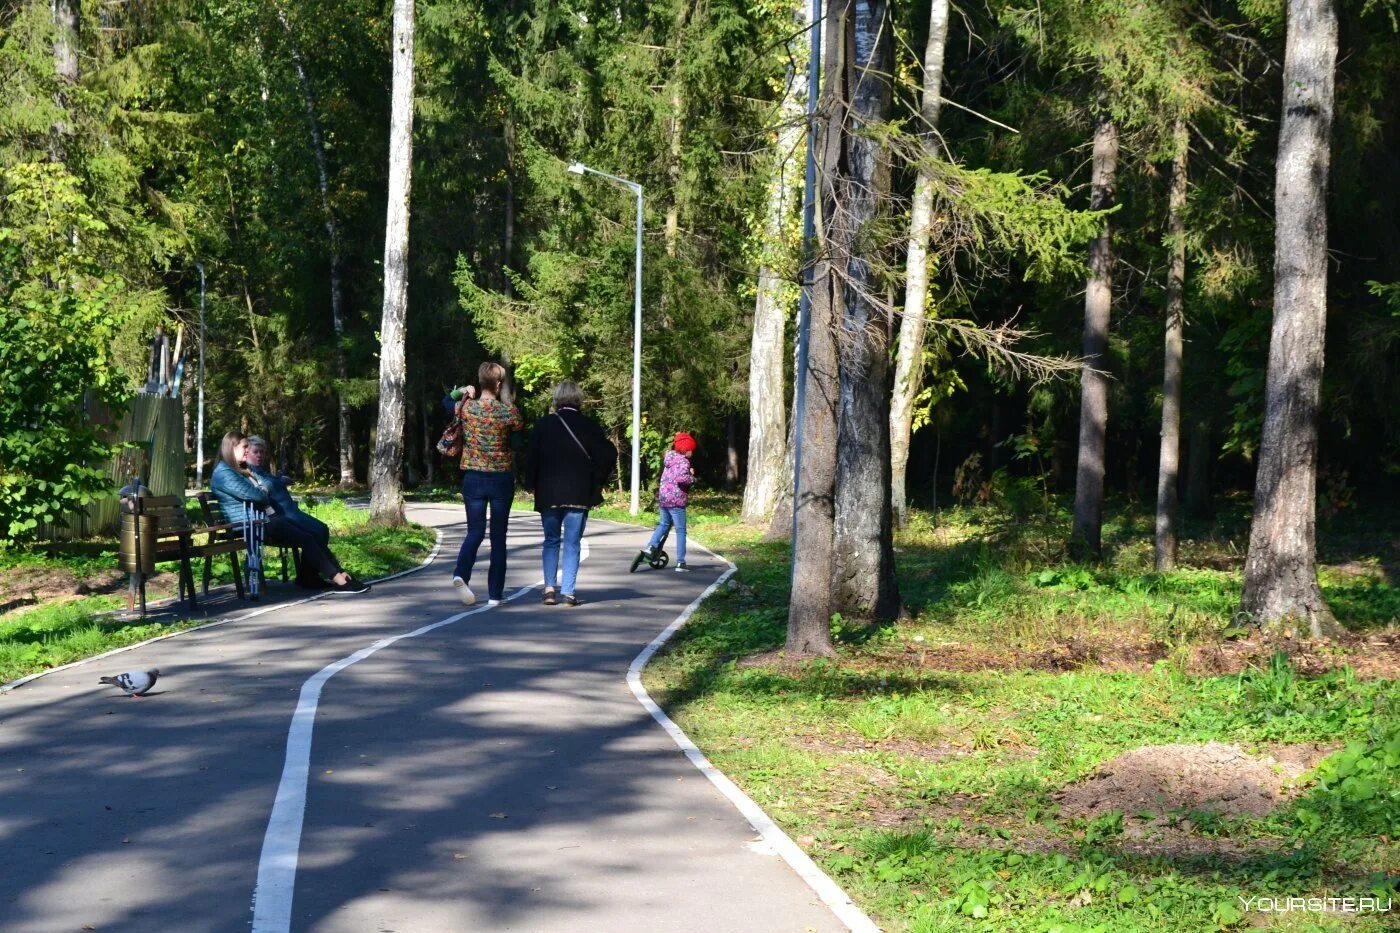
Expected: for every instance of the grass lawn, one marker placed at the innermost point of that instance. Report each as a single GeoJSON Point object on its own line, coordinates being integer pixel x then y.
{"type": "Point", "coordinates": [56, 604]}
{"type": "Point", "coordinates": [1049, 746]}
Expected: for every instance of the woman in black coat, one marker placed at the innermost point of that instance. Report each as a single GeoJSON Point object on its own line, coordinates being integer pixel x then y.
{"type": "Point", "coordinates": [568, 460]}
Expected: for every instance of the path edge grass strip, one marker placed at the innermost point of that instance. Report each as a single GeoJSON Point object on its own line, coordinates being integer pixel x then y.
{"type": "Point", "coordinates": [27, 678]}
{"type": "Point", "coordinates": [831, 893]}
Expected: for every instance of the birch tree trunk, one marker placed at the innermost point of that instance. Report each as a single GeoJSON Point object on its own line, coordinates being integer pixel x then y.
{"type": "Point", "coordinates": [318, 151]}
{"type": "Point", "coordinates": [809, 604]}
{"type": "Point", "coordinates": [67, 20]}
{"type": "Point", "coordinates": [1169, 459]}
{"type": "Point", "coordinates": [768, 463]}
{"type": "Point", "coordinates": [1086, 536]}
{"type": "Point", "coordinates": [863, 580]}
{"type": "Point", "coordinates": [386, 487]}
{"type": "Point", "coordinates": [1280, 575]}
{"type": "Point", "coordinates": [908, 367]}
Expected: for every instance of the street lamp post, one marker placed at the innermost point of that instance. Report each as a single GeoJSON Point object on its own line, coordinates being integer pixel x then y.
{"type": "Point", "coordinates": [578, 168]}
{"type": "Point", "coordinates": [199, 417]}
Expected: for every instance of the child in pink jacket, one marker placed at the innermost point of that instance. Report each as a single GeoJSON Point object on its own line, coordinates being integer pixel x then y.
{"type": "Point", "coordinates": [677, 475]}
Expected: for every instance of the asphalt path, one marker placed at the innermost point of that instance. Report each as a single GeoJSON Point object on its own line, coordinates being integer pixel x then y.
{"type": "Point", "coordinates": [482, 770]}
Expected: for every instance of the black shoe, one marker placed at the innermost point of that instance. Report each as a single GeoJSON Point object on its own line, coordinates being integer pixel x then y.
{"type": "Point", "coordinates": [681, 568]}
{"type": "Point", "coordinates": [350, 587]}
{"type": "Point", "coordinates": [551, 598]}
{"type": "Point", "coordinates": [570, 600]}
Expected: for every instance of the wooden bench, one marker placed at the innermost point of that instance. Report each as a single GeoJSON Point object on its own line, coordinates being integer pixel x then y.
{"type": "Point", "coordinates": [214, 516]}
{"type": "Point", "coordinates": [158, 528]}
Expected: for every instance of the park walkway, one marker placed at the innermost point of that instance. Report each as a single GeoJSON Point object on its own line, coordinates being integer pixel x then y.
{"type": "Point", "coordinates": [493, 773]}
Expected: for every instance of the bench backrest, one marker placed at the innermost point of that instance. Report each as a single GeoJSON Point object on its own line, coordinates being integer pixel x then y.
{"type": "Point", "coordinates": [214, 517]}
{"type": "Point", "coordinates": [168, 511]}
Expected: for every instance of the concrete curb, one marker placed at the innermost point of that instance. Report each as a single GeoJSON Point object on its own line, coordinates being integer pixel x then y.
{"type": "Point", "coordinates": [779, 842]}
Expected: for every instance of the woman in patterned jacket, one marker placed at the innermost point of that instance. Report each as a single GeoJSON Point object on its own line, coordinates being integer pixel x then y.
{"type": "Point", "coordinates": [488, 478]}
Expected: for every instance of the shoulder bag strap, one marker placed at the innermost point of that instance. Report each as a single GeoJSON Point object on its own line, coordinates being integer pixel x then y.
{"type": "Point", "coordinates": [573, 435]}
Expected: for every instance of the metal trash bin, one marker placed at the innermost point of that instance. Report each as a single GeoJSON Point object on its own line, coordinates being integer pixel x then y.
{"type": "Point", "coordinates": [126, 547]}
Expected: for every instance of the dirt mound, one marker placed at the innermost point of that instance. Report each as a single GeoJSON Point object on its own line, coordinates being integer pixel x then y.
{"type": "Point", "coordinates": [1215, 778]}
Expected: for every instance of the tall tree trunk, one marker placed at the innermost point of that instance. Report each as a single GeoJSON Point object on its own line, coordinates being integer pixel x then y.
{"type": "Point", "coordinates": [769, 465]}
{"type": "Point", "coordinates": [863, 581]}
{"type": "Point", "coordinates": [809, 604]}
{"type": "Point", "coordinates": [1086, 536]}
{"type": "Point", "coordinates": [67, 20]}
{"type": "Point", "coordinates": [909, 365]}
{"type": "Point", "coordinates": [675, 131]}
{"type": "Point", "coordinates": [386, 485]}
{"type": "Point", "coordinates": [1169, 459]}
{"type": "Point", "coordinates": [508, 248]}
{"type": "Point", "coordinates": [1280, 574]}
{"type": "Point", "coordinates": [318, 150]}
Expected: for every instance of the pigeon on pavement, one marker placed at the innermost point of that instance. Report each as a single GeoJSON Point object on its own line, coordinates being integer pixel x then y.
{"type": "Point", "coordinates": [135, 683]}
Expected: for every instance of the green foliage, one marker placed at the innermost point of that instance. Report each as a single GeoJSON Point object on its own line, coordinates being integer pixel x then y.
{"type": "Point", "coordinates": [54, 633]}
{"type": "Point", "coordinates": [55, 348]}
{"type": "Point", "coordinates": [929, 791]}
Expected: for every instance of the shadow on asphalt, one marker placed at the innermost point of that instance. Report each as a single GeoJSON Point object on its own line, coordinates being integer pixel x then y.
{"type": "Point", "coordinates": [430, 760]}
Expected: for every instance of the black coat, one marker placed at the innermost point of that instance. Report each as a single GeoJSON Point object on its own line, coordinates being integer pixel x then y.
{"type": "Point", "coordinates": [556, 467]}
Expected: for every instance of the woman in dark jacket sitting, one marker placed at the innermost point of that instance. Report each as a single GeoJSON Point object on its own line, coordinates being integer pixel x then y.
{"type": "Point", "coordinates": [568, 460]}
{"type": "Point", "coordinates": [238, 487]}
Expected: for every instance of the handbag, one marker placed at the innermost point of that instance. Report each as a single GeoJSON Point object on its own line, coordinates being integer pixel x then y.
{"type": "Point", "coordinates": [450, 444]}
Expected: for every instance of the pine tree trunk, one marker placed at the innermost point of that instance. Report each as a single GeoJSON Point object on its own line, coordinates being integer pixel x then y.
{"type": "Point", "coordinates": [863, 580]}
{"type": "Point", "coordinates": [909, 364]}
{"type": "Point", "coordinates": [1086, 536]}
{"type": "Point", "coordinates": [769, 464]}
{"type": "Point", "coordinates": [675, 131]}
{"type": "Point", "coordinates": [318, 151]}
{"type": "Point", "coordinates": [1280, 575]}
{"type": "Point", "coordinates": [809, 604]}
{"type": "Point", "coordinates": [508, 248]}
{"type": "Point", "coordinates": [386, 485]}
{"type": "Point", "coordinates": [1169, 459]}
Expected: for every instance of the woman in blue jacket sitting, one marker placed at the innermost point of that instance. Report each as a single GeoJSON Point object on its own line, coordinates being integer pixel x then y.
{"type": "Point", "coordinates": [236, 485]}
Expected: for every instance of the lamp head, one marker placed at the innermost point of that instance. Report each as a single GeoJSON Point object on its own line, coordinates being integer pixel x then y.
{"type": "Point", "coordinates": [576, 168]}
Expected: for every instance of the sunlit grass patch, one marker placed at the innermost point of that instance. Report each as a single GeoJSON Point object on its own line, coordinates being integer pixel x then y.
{"type": "Point", "coordinates": [58, 632]}
{"type": "Point", "coordinates": [926, 766]}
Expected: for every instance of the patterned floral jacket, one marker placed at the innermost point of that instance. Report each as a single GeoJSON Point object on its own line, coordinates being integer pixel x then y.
{"type": "Point", "coordinates": [486, 429]}
{"type": "Point", "coordinates": [676, 479]}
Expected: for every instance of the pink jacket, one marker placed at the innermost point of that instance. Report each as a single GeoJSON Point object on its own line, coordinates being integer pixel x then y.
{"type": "Point", "coordinates": [676, 479]}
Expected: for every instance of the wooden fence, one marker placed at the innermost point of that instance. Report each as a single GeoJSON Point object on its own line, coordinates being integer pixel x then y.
{"type": "Point", "coordinates": [156, 426]}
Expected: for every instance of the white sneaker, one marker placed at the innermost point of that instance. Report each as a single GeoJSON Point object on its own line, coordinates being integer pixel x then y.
{"type": "Point", "coordinates": [464, 592]}
{"type": "Point", "coordinates": [494, 602]}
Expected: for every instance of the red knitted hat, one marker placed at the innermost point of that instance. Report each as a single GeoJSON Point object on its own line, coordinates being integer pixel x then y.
{"type": "Point", "coordinates": [684, 443]}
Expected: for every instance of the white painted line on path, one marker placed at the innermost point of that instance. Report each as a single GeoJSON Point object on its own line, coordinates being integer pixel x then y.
{"type": "Point", "coordinates": [277, 866]}
{"type": "Point", "coordinates": [828, 890]}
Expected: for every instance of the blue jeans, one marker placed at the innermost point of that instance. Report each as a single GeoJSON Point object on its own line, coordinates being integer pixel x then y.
{"type": "Point", "coordinates": [563, 531]}
{"type": "Point", "coordinates": [669, 518]}
{"type": "Point", "coordinates": [479, 489]}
